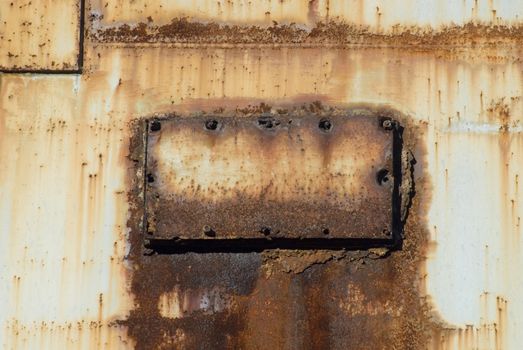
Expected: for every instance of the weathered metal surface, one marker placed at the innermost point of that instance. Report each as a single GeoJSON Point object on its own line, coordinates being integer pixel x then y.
{"type": "Point", "coordinates": [40, 35]}
{"type": "Point", "coordinates": [272, 176]}
{"type": "Point", "coordinates": [378, 15]}
{"type": "Point", "coordinates": [456, 284]}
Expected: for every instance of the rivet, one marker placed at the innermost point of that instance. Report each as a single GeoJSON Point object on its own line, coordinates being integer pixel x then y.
{"type": "Point", "coordinates": [156, 126]}
{"type": "Point", "coordinates": [211, 124]}
{"type": "Point", "coordinates": [387, 124]}
{"type": "Point", "coordinates": [325, 125]}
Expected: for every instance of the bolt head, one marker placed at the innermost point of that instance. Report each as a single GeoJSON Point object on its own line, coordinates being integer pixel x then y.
{"type": "Point", "coordinates": [387, 124]}
{"type": "Point", "coordinates": [155, 126]}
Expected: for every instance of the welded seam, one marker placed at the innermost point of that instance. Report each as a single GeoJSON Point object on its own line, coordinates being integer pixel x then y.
{"type": "Point", "coordinates": [397, 150]}
{"type": "Point", "coordinates": [80, 61]}
{"type": "Point", "coordinates": [145, 225]}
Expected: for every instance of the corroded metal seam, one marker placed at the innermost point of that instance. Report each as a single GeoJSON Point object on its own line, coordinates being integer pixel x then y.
{"type": "Point", "coordinates": [340, 33]}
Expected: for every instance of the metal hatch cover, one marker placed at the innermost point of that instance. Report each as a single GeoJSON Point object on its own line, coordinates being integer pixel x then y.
{"type": "Point", "coordinates": [272, 178]}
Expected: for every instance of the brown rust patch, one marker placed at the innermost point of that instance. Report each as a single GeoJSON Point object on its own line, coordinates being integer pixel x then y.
{"type": "Point", "coordinates": [357, 300]}
{"type": "Point", "coordinates": [499, 111]}
{"type": "Point", "coordinates": [334, 32]}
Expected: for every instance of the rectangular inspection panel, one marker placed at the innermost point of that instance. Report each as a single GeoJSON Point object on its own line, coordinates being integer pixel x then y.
{"type": "Point", "coordinates": [40, 35]}
{"type": "Point", "coordinates": [290, 177]}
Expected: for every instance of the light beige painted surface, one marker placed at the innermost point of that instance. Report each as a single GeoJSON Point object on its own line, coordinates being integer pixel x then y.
{"type": "Point", "coordinates": [39, 34]}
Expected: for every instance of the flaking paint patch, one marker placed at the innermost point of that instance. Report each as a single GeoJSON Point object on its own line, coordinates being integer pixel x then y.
{"type": "Point", "coordinates": [178, 304]}
{"type": "Point", "coordinates": [297, 261]}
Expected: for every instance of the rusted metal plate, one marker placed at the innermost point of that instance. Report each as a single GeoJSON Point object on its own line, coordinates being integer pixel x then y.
{"type": "Point", "coordinates": [41, 36]}
{"type": "Point", "coordinates": [271, 177]}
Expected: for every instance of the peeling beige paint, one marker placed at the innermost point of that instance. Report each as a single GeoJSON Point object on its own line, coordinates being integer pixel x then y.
{"type": "Point", "coordinates": [63, 214]}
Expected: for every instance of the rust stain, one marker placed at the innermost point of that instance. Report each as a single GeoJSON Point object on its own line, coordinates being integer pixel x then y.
{"type": "Point", "coordinates": [313, 14]}
{"type": "Point", "coordinates": [278, 299]}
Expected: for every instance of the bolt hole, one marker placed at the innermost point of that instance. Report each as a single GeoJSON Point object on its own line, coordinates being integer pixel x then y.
{"type": "Point", "coordinates": [325, 125]}
{"type": "Point", "coordinates": [156, 126]}
{"type": "Point", "coordinates": [382, 177]}
{"type": "Point", "coordinates": [150, 178]}
{"type": "Point", "coordinates": [266, 231]}
{"type": "Point", "coordinates": [325, 231]}
{"type": "Point", "coordinates": [211, 124]}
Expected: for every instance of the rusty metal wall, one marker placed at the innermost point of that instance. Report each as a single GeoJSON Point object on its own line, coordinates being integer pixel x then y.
{"type": "Point", "coordinates": [72, 267]}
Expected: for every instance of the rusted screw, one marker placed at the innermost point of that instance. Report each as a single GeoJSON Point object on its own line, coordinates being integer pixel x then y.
{"type": "Point", "coordinates": [325, 231]}
{"type": "Point", "coordinates": [325, 125]}
{"type": "Point", "coordinates": [156, 125]}
{"type": "Point", "coordinates": [208, 231]}
{"type": "Point", "coordinates": [211, 124]}
{"type": "Point", "coordinates": [387, 124]}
